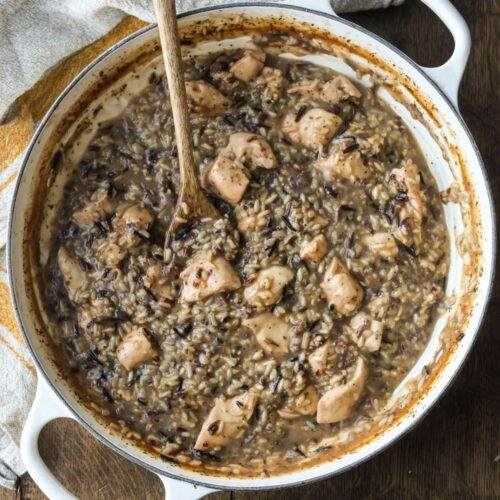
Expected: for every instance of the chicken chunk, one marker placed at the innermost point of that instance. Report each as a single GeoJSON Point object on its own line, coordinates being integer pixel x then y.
{"type": "Point", "coordinates": [315, 249]}
{"type": "Point", "coordinates": [205, 98]}
{"type": "Point", "coordinates": [135, 349]}
{"type": "Point", "coordinates": [414, 209]}
{"type": "Point", "coordinates": [304, 404]}
{"type": "Point", "coordinates": [381, 244]}
{"type": "Point", "coordinates": [268, 286]}
{"type": "Point", "coordinates": [207, 275]}
{"type": "Point", "coordinates": [337, 403]}
{"type": "Point", "coordinates": [133, 215]}
{"type": "Point", "coordinates": [99, 206]}
{"type": "Point", "coordinates": [271, 332]}
{"type": "Point", "coordinates": [366, 332]}
{"type": "Point", "coordinates": [252, 148]}
{"type": "Point", "coordinates": [333, 91]}
{"type": "Point", "coordinates": [340, 289]}
{"type": "Point", "coordinates": [314, 129]}
{"type": "Point", "coordinates": [155, 281]}
{"type": "Point", "coordinates": [249, 65]}
{"type": "Point", "coordinates": [318, 359]}
{"type": "Point", "coordinates": [340, 89]}
{"type": "Point", "coordinates": [227, 420]}
{"type": "Point", "coordinates": [342, 163]}
{"type": "Point", "coordinates": [228, 178]}
{"type": "Point", "coordinates": [72, 272]}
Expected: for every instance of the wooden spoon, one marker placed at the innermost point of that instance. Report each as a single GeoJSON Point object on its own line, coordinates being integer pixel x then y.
{"type": "Point", "coordinates": [191, 202]}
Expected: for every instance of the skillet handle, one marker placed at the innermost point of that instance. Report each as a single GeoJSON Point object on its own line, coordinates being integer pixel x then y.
{"type": "Point", "coordinates": [46, 407]}
{"type": "Point", "coordinates": [449, 75]}
{"type": "Point", "coordinates": [180, 490]}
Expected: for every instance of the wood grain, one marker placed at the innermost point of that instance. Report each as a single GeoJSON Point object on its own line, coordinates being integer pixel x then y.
{"type": "Point", "coordinates": [455, 452]}
{"type": "Point", "coordinates": [190, 193]}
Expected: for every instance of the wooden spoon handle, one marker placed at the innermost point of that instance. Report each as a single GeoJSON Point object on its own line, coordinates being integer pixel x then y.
{"type": "Point", "coordinates": [169, 37]}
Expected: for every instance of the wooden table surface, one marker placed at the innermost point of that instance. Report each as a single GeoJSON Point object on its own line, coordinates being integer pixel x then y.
{"type": "Point", "coordinates": [455, 452]}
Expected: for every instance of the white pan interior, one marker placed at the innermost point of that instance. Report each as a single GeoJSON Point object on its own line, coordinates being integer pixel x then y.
{"type": "Point", "coordinates": [444, 170]}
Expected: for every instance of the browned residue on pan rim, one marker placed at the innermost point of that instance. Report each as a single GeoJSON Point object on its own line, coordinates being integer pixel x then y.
{"type": "Point", "coordinates": [225, 27]}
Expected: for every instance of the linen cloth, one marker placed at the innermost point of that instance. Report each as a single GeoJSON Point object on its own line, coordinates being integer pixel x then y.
{"type": "Point", "coordinates": [36, 40]}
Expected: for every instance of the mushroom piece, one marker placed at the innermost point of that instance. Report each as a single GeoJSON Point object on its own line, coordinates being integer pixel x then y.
{"type": "Point", "coordinates": [88, 316]}
{"type": "Point", "coordinates": [268, 286]}
{"type": "Point", "coordinates": [135, 349]}
{"type": "Point", "coordinates": [342, 162]}
{"type": "Point", "coordinates": [337, 403]}
{"type": "Point", "coordinates": [381, 244]}
{"type": "Point", "coordinates": [271, 332]}
{"type": "Point", "coordinates": [155, 281]}
{"type": "Point", "coordinates": [318, 359]}
{"type": "Point", "coordinates": [207, 275]}
{"type": "Point", "coordinates": [315, 249]}
{"type": "Point", "coordinates": [228, 178]}
{"type": "Point", "coordinates": [133, 215]}
{"type": "Point", "coordinates": [73, 274]}
{"type": "Point", "coordinates": [205, 98]}
{"type": "Point", "coordinates": [248, 66]}
{"type": "Point", "coordinates": [99, 206]}
{"type": "Point", "coordinates": [252, 148]}
{"type": "Point", "coordinates": [340, 289]}
{"type": "Point", "coordinates": [413, 210]}
{"type": "Point", "coordinates": [304, 404]}
{"type": "Point", "coordinates": [366, 332]}
{"type": "Point", "coordinates": [314, 129]}
{"type": "Point", "coordinates": [333, 91]}
{"type": "Point", "coordinates": [227, 420]}
{"type": "Point", "coordinates": [272, 78]}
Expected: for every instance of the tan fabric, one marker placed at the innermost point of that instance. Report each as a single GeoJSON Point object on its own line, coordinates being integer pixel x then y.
{"type": "Point", "coordinates": [14, 136]}
{"type": "Point", "coordinates": [16, 398]}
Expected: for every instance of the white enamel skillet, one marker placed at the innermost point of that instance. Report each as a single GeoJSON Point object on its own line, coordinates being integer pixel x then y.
{"type": "Point", "coordinates": [453, 158]}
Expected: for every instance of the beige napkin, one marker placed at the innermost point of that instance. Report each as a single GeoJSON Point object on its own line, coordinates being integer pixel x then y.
{"type": "Point", "coordinates": [37, 38]}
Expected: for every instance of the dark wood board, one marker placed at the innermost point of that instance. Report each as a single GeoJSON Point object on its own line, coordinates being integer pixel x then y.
{"type": "Point", "coordinates": [455, 452]}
